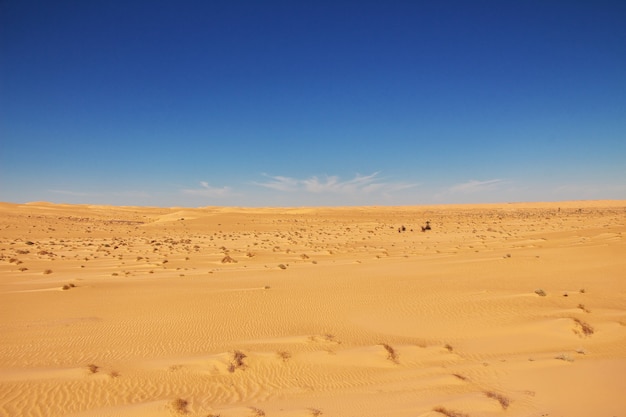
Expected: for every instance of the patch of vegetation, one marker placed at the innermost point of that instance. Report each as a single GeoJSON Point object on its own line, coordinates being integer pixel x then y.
{"type": "Point", "coordinates": [237, 361]}
{"type": "Point", "coordinates": [540, 292]}
{"type": "Point", "coordinates": [257, 412]}
{"type": "Point", "coordinates": [449, 413]}
{"type": "Point", "coordinates": [586, 328]}
{"type": "Point", "coordinates": [564, 357]}
{"type": "Point", "coordinates": [392, 355]}
{"type": "Point", "coordinates": [504, 402]}
{"type": "Point", "coordinates": [180, 405]}
{"type": "Point", "coordinates": [228, 260]}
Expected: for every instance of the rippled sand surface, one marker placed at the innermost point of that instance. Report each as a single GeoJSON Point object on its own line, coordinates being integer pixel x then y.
{"type": "Point", "coordinates": [497, 310]}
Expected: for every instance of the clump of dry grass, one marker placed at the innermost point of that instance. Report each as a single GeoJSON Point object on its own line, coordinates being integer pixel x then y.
{"type": "Point", "coordinates": [228, 260]}
{"type": "Point", "coordinates": [92, 368]}
{"type": "Point", "coordinates": [564, 357]}
{"type": "Point", "coordinates": [237, 361]}
{"type": "Point", "coordinates": [284, 355]}
{"type": "Point", "coordinates": [315, 412]}
{"type": "Point", "coordinates": [585, 327]}
{"type": "Point", "coordinates": [392, 355]}
{"type": "Point", "coordinates": [540, 292]}
{"type": "Point", "coordinates": [448, 347]}
{"type": "Point", "coordinates": [257, 412]}
{"type": "Point", "coordinates": [583, 308]}
{"type": "Point", "coordinates": [282, 266]}
{"type": "Point", "coordinates": [47, 271]}
{"type": "Point", "coordinates": [179, 405]}
{"type": "Point", "coordinates": [504, 402]}
{"type": "Point", "coordinates": [68, 286]}
{"type": "Point", "coordinates": [449, 413]}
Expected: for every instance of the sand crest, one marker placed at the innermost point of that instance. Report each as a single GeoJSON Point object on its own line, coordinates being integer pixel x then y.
{"type": "Point", "coordinates": [501, 309]}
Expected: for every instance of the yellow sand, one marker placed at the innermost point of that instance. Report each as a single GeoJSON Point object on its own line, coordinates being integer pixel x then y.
{"type": "Point", "coordinates": [316, 311]}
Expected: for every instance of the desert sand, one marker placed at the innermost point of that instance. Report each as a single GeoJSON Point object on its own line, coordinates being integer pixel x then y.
{"type": "Point", "coordinates": [498, 310]}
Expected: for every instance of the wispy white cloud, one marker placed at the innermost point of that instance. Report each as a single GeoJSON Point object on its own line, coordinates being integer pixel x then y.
{"type": "Point", "coordinates": [279, 183]}
{"type": "Point", "coordinates": [474, 186]}
{"type": "Point", "coordinates": [360, 184]}
{"type": "Point", "coordinates": [590, 191]}
{"type": "Point", "coordinates": [207, 190]}
{"type": "Point", "coordinates": [472, 191]}
{"type": "Point", "coordinates": [71, 193]}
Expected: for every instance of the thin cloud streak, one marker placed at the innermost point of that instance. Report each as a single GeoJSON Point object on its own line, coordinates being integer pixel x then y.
{"type": "Point", "coordinates": [359, 185]}
{"type": "Point", "coordinates": [207, 190]}
{"type": "Point", "coordinates": [474, 186]}
{"type": "Point", "coordinates": [72, 193]}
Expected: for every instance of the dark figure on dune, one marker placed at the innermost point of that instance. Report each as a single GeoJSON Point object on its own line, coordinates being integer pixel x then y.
{"type": "Point", "coordinates": [427, 227]}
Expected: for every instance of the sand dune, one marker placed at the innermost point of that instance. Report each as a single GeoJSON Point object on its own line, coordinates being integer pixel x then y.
{"type": "Point", "coordinates": [511, 309]}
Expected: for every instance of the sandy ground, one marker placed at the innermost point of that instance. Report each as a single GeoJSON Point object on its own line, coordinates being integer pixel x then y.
{"type": "Point", "coordinates": [499, 310]}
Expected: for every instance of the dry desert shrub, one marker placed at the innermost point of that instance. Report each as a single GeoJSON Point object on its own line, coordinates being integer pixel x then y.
{"type": "Point", "coordinates": [68, 286]}
{"type": "Point", "coordinates": [179, 405]}
{"type": "Point", "coordinates": [47, 271]}
{"type": "Point", "coordinates": [584, 327]}
{"type": "Point", "coordinates": [564, 357]}
{"type": "Point", "coordinates": [315, 412]}
{"type": "Point", "coordinates": [583, 308]}
{"type": "Point", "coordinates": [282, 266]}
{"type": "Point", "coordinates": [449, 413]}
{"type": "Point", "coordinates": [237, 361]}
{"type": "Point", "coordinates": [92, 368]}
{"type": "Point", "coordinates": [448, 347]}
{"type": "Point", "coordinates": [228, 260]}
{"type": "Point", "coordinates": [540, 292]}
{"type": "Point", "coordinates": [284, 355]}
{"type": "Point", "coordinates": [257, 412]}
{"type": "Point", "coordinates": [392, 355]}
{"type": "Point", "coordinates": [504, 402]}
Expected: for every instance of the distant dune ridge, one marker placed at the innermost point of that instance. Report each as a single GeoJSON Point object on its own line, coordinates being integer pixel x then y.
{"type": "Point", "coordinates": [498, 310]}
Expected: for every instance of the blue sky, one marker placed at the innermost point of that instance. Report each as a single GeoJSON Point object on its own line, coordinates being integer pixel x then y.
{"type": "Point", "coordinates": [293, 103]}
